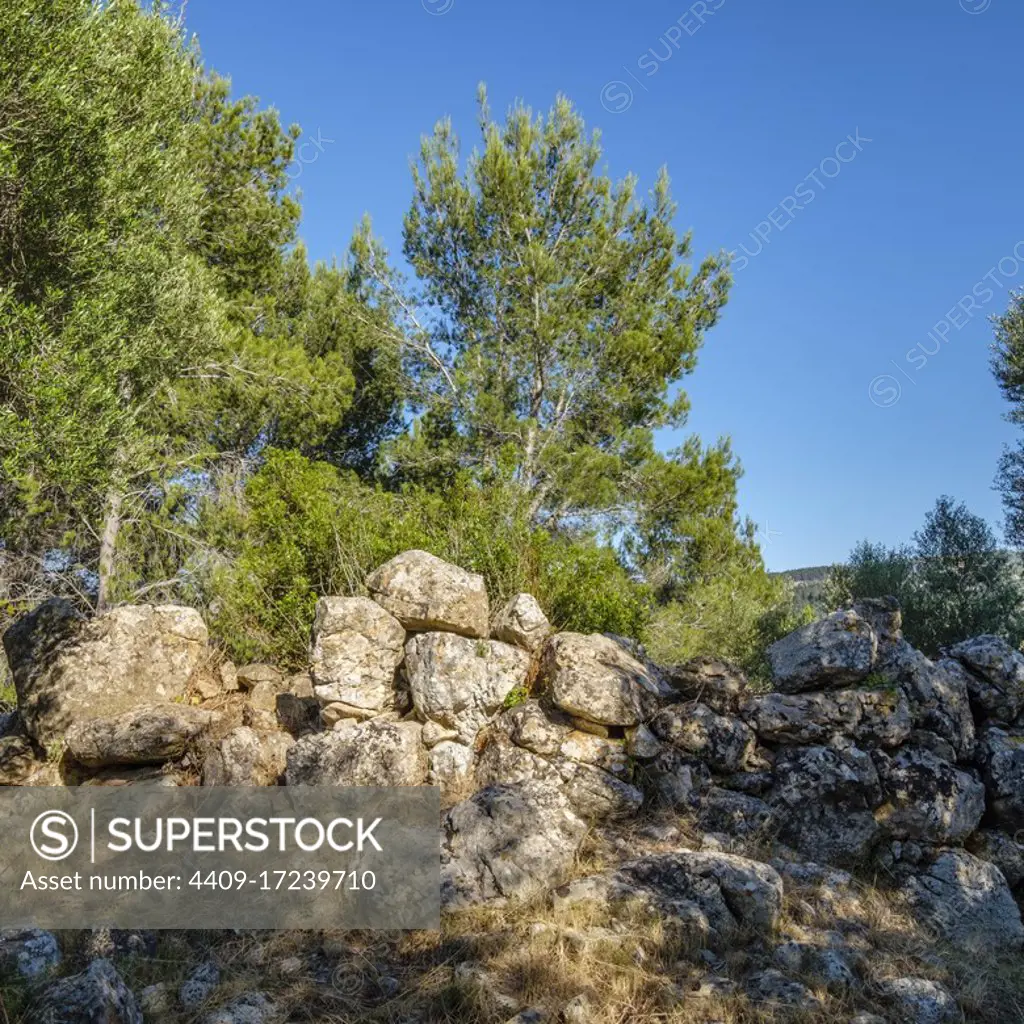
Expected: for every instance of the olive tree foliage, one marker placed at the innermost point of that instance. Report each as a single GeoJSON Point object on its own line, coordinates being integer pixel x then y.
{"type": "Point", "coordinates": [102, 297]}
{"type": "Point", "coordinates": [953, 581]}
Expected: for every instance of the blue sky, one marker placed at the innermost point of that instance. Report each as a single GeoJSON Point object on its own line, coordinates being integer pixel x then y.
{"type": "Point", "coordinates": [851, 364]}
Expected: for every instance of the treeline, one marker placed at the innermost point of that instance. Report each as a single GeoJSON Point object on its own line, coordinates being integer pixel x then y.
{"type": "Point", "coordinates": [191, 411]}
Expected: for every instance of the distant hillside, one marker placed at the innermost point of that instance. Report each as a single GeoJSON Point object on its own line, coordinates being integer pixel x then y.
{"type": "Point", "coordinates": [808, 586]}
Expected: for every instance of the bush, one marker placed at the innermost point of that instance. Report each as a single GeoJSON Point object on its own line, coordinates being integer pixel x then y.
{"type": "Point", "coordinates": [305, 529]}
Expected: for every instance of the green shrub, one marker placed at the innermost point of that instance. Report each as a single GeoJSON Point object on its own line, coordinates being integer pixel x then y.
{"type": "Point", "coordinates": [305, 529]}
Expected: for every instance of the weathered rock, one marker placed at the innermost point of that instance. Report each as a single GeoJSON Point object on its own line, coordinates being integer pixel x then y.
{"type": "Point", "coordinates": [507, 841]}
{"type": "Point", "coordinates": [374, 753]}
{"type": "Point", "coordinates": [18, 761]}
{"type": "Point", "coordinates": [872, 716]}
{"type": "Point", "coordinates": [249, 1008]}
{"type": "Point", "coordinates": [199, 986]}
{"type": "Point", "coordinates": [228, 673]}
{"type": "Point", "coordinates": [966, 901]}
{"type": "Point", "coordinates": [426, 593]}
{"type": "Point", "coordinates": [1001, 756]}
{"type": "Point", "coordinates": [883, 615]}
{"type": "Point", "coordinates": [357, 648]}
{"type": "Point", "coordinates": [675, 780]}
{"type": "Point", "coordinates": [522, 622]}
{"type": "Point", "coordinates": [68, 671]}
{"type": "Point", "coordinates": [248, 676]}
{"type": "Point", "coordinates": [449, 765]}
{"type": "Point", "coordinates": [31, 952]}
{"type": "Point", "coordinates": [938, 695]}
{"type": "Point", "coordinates": [995, 678]}
{"type": "Point", "coordinates": [919, 1001]}
{"type": "Point", "coordinates": [723, 742]}
{"type": "Point", "coordinates": [530, 728]}
{"type": "Point", "coordinates": [591, 792]}
{"type": "Point", "coordinates": [603, 753]}
{"type": "Point", "coordinates": [333, 714]}
{"type": "Point", "coordinates": [642, 744]}
{"type": "Point", "coordinates": [836, 651]}
{"type": "Point", "coordinates": [592, 677]}
{"type": "Point", "coordinates": [96, 996]}
{"type": "Point", "coordinates": [735, 814]}
{"type": "Point", "coordinates": [823, 799]}
{"type": "Point", "coordinates": [1001, 850]}
{"type": "Point", "coordinates": [830, 964]}
{"type": "Point", "coordinates": [297, 715]}
{"type": "Point", "coordinates": [926, 798]}
{"type": "Point", "coordinates": [775, 989]}
{"type": "Point", "coordinates": [433, 734]}
{"type": "Point", "coordinates": [462, 683]}
{"type": "Point", "coordinates": [718, 684]}
{"type": "Point", "coordinates": [243, 758]}
{"type": "Point", "coordinates": [150, 734]}
{"type": "Point", "coordinates": [716, 892]}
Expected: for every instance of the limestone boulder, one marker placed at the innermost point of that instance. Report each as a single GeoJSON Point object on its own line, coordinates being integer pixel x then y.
{"type": "Point", "coordinates": [711, 892]}
{"type": "Point", "coordinates": [96, 996]}
{"type": "Point", "coordinates": [926, 798]}
{"type": "Point", "coordinates": [1002, 850]}
{"type": "Point", "coordinates": [836, 651]}
{"type": "Point", "coordinates": [719, 684]}
{"type": "Point", "coordinates": [374, 753]}
{"type": "Point", "coordinates": [461, 683]}
{"type": "Point", "coordinates": [522, 622]}
{"type": "Point", "coordinates": [919, 1000]}
{"type": "Point", "coordinates": [724, 742]}
{"type": "Point", "coordinates": [823, 799]}
{"type": "Point", "coordinates": [875, 717]}
{"type": "Point", "coordinates": [593, 678]}
{"type": "Point", "coordinates": [965, 901]}
{"type": "Point", "coordinates": [1001, 756]}
{"type": "Point", "coordinates": [67, 670]}
{"type": "Point", "coordinates": [425, 592]}
{"type": "Point", "coordinates": [245, 758]}
{"type": "Point", "coordinates": [507, 841]}
{"type": "Point", "coordinates": [150, 734]}
{"type": "Point", "coordinates": [938, 696]}
{"type": "Point", "coordinates": [357, 648]}
{"type": "Point", "coordinates": [529, 727]}
{"type": "Point", "coordinates": [995, 676]}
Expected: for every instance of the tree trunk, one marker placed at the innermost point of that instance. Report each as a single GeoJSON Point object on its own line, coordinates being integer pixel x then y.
{"type": "Point", "coordinates": [108, 548]}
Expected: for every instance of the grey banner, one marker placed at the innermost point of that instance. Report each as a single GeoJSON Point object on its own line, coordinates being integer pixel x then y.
{"type": "Point", "coordinates": [211, 857]}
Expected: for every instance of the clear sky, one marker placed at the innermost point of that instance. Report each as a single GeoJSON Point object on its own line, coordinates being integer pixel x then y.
{"type": "Point", "coordinates": [851, 364]}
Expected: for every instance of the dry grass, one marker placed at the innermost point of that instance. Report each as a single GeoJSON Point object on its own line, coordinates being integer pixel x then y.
{"type": "Point", "coordinates": [490, 962]}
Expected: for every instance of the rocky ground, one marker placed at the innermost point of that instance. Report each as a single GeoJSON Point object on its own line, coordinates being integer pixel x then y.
{"type": "Point", "coordinates": [621, 842]}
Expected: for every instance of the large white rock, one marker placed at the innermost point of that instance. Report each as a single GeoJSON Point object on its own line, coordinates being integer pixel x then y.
{"type": "Point", "coordinates": [69, 670]}
{"type": "Point", "coordinates": [425, 592]}
{"type": "Point", "coordinates": [461, 683]}
{"type": "Point", "coordinates": [966, 901]}
{"type": "Point", "coordinates": [507, 841]}
{"type": "Point", "coordinates": [838, 650]}
{"type": "Point", "coordinates": [357, 648]}
{"type": "Point", "coordinates": [522, 622]}
{"type": "Point", "coordinates": [593, 678]}
{"type": "Point", "coordinates": [996, 676]}
{"type": "Point", "coordinates": [374, 753]}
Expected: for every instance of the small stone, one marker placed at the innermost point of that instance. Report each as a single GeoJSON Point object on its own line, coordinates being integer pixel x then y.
{"type": "Point", "coordinates": [199, 986]}
{"type": "Point", "coordinates": [333, 714]}
{"type": "Point", "coordinates": [920, 1000]}
{"type": "Point", "coordinates": [249, 675]}
{"type": "Point", "coordinates": [228, 676]}
{"type": "Point", "coordinates": [31, 951]}
{"type": "Point", "coordinates": [523, 623]}
{"type": "Point", "coordinates": [96, 996]}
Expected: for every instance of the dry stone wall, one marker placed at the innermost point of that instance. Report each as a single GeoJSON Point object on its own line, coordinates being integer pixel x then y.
{"type": "Point", "coordinates": [864, 753]}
